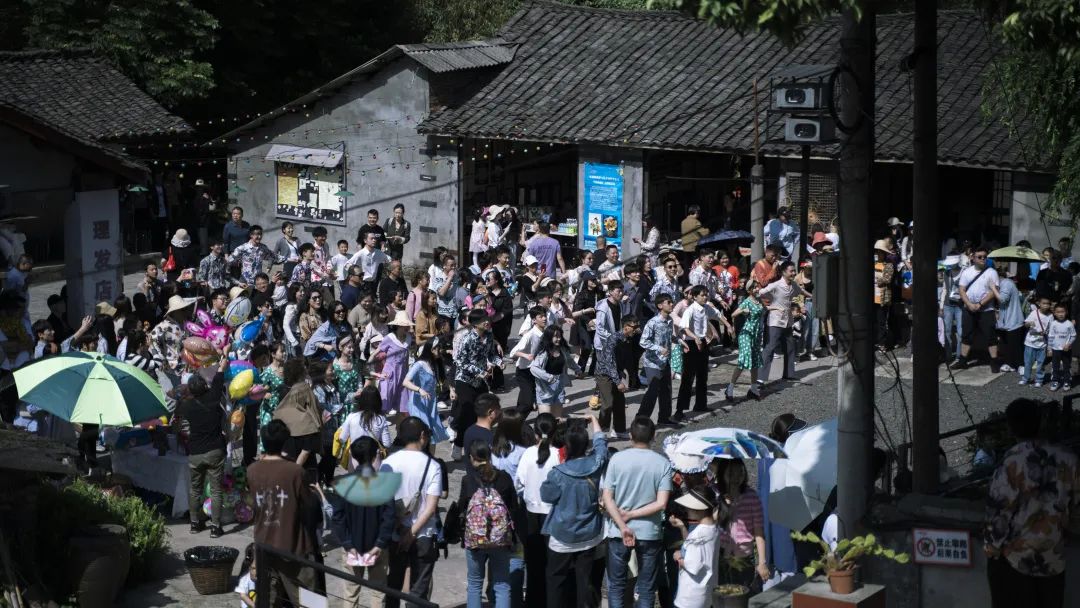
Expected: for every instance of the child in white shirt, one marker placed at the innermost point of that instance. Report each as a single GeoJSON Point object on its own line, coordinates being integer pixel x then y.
{"type": "Point", "coordinates": [1038, 324]}
{"type": "Point", "coordinates": [1060, 335]}
{"type": "Point", "coordinates": [338, 263]}
{"type": "Point", "coordinates": [246, 588]}
{"type": "Point", "coordinates": [697, 557]}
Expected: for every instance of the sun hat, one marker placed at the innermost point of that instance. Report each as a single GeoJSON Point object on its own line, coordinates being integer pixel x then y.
{"type": "Point", "coordinates": [104, 308]}
{"type": "Point", "coordinates": [401, 319]}
{"type": "Point", "coordinates": [530, 260]}
{"type": "Point", "coordinates": [178, 303]}
{"type": "Point", "coordinates": [950, 261]}
{"type": "Point", "coordinates": [696, 499]}
{"type": "Point", "coordinates": [882, 245]}
{"type": "Point", "coordinates": [495, 210]}
{"type": "Point", "coordinates": [238, 291]}
{"type": "Point", "coordinates": [894, 221]}
{"type": "Point", "coordinates": [180, 238]}
{"type": "Point", "coordinates": [820, 238]}
{"type": "Point", "coordinates": [682, 461]}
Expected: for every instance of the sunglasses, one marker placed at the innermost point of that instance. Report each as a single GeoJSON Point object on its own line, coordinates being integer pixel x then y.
{"type": "Point", "coordinates": [316, 297]}
{"type": "Point", "coordinates": [671, 266]}
{"type": "Point", "coordinates": [340, 312]}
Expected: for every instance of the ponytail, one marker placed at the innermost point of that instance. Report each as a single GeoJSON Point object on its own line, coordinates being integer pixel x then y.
{"type": "Point", "coordinates": [545, 426]}
{"type": "Point", "coordinates": [481, 453]}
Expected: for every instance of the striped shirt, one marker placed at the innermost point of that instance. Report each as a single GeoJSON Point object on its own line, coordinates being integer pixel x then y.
{"type": "Point", "coordinates": [746, 518]}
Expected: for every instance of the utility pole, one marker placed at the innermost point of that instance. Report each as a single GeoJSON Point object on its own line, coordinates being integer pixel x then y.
{"type": "Point", "coordinates": [854, 324]}
{"type": "Point", "coordinates": [804, 212]}
{"type": "Point", "coordinates": [757, 190]}
{"type": "Point", "coordinates": [925, 216]}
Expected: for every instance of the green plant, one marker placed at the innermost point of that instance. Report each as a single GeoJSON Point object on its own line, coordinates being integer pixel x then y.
{"type": "Point", "coordinates": [846, 553]}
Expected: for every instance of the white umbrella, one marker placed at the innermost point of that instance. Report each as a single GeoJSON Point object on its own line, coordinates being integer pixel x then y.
{"type": "Point", "coordinates": [800, 485]}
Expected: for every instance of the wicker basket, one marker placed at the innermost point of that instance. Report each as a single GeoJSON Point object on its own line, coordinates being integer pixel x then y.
{"type": "Point", "coordinates": [211, 568]}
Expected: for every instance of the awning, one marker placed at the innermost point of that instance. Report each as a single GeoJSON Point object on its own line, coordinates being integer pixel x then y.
{"type": "Point", "coordinates": [318, 157]}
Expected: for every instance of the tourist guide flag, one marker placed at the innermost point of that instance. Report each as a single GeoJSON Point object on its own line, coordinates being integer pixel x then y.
{"type": "Point", "coordinates": [603, 203]}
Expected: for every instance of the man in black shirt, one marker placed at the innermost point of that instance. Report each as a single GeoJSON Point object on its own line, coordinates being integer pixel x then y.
{"type": "Point", "coordinates": [1054, 281]}
{"type": "Point", "coordinates": [487, 415]}
{"type": "Point", "coordinates": [600, 253]}
{"type": "Point", "coordinates": [372, 226]}
{"type": "Point", "coordinates": [206, 443]}
{"type": "Point", "coordinates": [392, 283]}
{"type": "Point", "coordinates": [352, 290]}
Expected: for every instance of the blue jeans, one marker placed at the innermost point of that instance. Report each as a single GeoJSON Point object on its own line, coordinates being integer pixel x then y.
{"type": "Point", "coordinates": [496, 562]}
{"type": "Point", "coordinates": [649, 554]}
{"type": "Point", "coordinates": [810, 328]}
{"type": "Point", "coordinates": [951, 316]}
{"type": "Point", "coordinates": [1033, 359]}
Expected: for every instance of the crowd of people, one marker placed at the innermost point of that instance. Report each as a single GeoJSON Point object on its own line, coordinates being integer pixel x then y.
{"type": "Point", "coordinates": [367, 366]}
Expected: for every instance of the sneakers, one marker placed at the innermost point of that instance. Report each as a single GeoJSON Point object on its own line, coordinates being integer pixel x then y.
{"type": "Point", "coordinates": [451, 433]}
{"type": "Point", "coordinates": [678, 417]}
{"type": "Point", "coordinates": [960, 363]}
{"type": "Point", "coordinates": [616, 436]}
{"type": "Point", "coordinates": [216, 532]}
{"type": "Point", "coordinates": [1005, 367]}
{"type": "Point", "coordinates": [1054, 386]}
{"type": "Point", "coordinates": [197, 527]}
{"type": "Point", "coordinates": [1038, 384]}
{"type": "Point", "coordinates": [729, 392]}
{"type": "Point", "coordinates": [813, 357]}
{"type": "Point", "coordinates": [1066, 386]}
{"type": "Point", "coordinates": [1023, 381]}
{"type": "Point", "coordinates": [455, 454]}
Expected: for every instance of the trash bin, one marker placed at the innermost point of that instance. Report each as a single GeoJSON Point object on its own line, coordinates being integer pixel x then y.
{"type": "Point", "coordinates": [211, 568]}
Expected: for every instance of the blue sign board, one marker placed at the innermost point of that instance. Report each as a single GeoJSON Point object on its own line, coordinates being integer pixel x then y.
{"type": "Point", "coordinates": [603, 204]}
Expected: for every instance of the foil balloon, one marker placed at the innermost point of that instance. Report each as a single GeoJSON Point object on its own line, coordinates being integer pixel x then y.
{"type": "Point", "coordinates": [244, 513]}
{"type": "Point", "coordinates": [257, 392]}
{"type": "Point", "coordinates": [246, 333]}
{"type": "Point", "coordinates": [237, 417]}
{"type": "Point", "coordinates": [199, 347]}
{"type": "Point", "coordinates": [241, 384]}
{"type": "Point", "coordinates": [235, 367]}
{"type": "Point", "coordinates": [216, 335]}
{"type": "Point", "coordinates": [190, 359]}
{"type": "Point", "coordinates": [238, 311]}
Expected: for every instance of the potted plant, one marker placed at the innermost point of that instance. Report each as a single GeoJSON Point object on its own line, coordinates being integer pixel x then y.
{"type": "Point", "coordinates": [840, 564]}
{"type": "Point", "coordinates": [733, 595]}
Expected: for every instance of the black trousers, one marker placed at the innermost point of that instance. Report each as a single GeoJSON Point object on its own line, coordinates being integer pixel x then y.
{"type": "Point", "coordinates": [419, 560]}
{"type": "Point", "coordinates": [659, 388]}
{"type": "Point", "coordinates": [466, 408]}
{"type": "Point", "coordinates": [1013, 354]}
{"type": "Point", "coordinates": [612, 404]}
{"type": "Point", "coordinates": [536, 551]}
{"type": "Point", "coordinates": [526, 398]}
{"type": "Point", "coordinates": [695, 371]}
{"type": "Point", "coordinates": [1061, 365]}
{"type": "Point", "coordinates": [1010, 588]}
{"type": "Point", "coordinates": [779, 337]}
{"type": "Point", "coordinates": [251, 433]}
{"type": "Point", "coordinates": [628, 354]}
{"type": "Point", "coordinates": [570, 579]}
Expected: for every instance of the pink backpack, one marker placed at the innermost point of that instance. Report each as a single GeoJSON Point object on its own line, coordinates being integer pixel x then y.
{"type": "Point", "coordinates": [487, 521]}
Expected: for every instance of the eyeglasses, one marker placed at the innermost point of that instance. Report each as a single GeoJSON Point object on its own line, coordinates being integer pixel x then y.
{"type": "Point", "coordinates": [671, 266]}
{"type": "Point", "coordinates": [316, 297]}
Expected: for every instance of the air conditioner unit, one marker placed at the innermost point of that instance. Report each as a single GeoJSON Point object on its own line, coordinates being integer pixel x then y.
{"type": "Point", "coordinates": [800, 96]}
{"type": "Point", "coordinates": [816, 130]}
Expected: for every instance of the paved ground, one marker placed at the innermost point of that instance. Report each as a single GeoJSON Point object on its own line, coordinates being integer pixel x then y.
{"type": "Point", "coordinates": [966, 397]}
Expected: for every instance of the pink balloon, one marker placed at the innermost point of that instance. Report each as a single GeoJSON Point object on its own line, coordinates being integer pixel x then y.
{"type": "Point", "coordinates": [217, 335]}
{"type": "Point", "coordinates": [257, 392]}
{"type": "Point", "coordinates": [204, 317]}
{"type": "Point", "coordinates": [194, 328]}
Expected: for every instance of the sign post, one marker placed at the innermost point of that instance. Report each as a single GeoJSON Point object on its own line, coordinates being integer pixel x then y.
{"type": "Point", "coordinates": [92, 253]}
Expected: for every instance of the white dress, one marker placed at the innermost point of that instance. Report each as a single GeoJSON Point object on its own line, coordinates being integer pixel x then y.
{"type": "Point", "coordinates": [697, 576]}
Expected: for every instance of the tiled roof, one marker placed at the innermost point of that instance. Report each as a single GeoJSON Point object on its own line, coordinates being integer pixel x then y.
{"type": "Point", "coordinates": [658, 79]}
{"type": "Point", "coordinates": [83, 95]}
{"type": "Point", "coordinates": [452, 56]}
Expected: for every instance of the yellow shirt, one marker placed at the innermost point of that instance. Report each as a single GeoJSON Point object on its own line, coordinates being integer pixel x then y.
{"type": "Point", "coordinates": [692, 232]}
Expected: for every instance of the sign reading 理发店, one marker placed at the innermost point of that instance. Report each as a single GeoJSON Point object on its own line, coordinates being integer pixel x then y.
{"type": "Point", "coordinates": [942, 547]}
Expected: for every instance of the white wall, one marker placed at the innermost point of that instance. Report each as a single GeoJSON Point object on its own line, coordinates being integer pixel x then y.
{"type": "Point", "coordinates": [1028, 224]}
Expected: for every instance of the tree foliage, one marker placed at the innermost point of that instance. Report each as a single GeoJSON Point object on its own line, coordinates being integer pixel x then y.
{"type": "Point", "coordinates": [785, 19]}
{"type": "Point", "coordinates": [455, 20]}
{"type": "Point", "coordinates": [156, 43]}
{"type": "Point", "coordinates": [1034, 87]}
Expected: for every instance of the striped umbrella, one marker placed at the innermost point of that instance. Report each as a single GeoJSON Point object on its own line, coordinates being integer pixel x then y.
{"type": "Point", "coordinates": [91, 388]}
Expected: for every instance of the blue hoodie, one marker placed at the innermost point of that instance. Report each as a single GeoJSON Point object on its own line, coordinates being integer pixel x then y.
{"type": "Point", "coordinates": [572, 489]}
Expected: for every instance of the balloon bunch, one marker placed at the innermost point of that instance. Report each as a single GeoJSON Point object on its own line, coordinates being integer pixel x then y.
{"type": "Point", "coordinates": [198, 352]}
{"type": "Point", "coordinates": [238, 504]}
{"type": "Point", "coordinates": [237, 311]}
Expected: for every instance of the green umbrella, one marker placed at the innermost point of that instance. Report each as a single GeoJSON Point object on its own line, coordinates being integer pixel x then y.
{"type": "Point", "coordinates": [137, 188]}
{"type": "Point", "coordinates": [368, 488]}
{"type": "Point", "coordinates": [91, 388]}
{"type": "Point", "coordinates": [1015, 254]}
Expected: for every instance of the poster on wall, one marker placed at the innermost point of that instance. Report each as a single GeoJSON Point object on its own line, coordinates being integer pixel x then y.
{"type": "Point", "coordinates": [308, 192]}
{"type": "Point", "coordinates": [602, 204]}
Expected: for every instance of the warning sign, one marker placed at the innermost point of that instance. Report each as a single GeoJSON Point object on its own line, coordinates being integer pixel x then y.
{"type": "Point", "coordinates": [942, 547]}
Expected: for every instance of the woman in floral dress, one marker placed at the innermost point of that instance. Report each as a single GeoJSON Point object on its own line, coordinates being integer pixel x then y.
{"type": "Point", "coordinates": [394, 353]}
{"type": "Point", "coordinates": [346, 372]}
{"type": "Point", "coordinates": [272, 377]}
{"type": "Point", "coordinates": [749, 344]}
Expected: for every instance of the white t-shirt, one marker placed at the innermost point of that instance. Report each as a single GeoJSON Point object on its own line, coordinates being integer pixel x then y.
{"type": "Point", "coordinates": [530, 476]}
{"type": "Point", "coordinates": [1038, 325]}
{"type": "Point", "coordinates": [978, 284]}
{"type": "Point", "coordinates": [1061, 334]}
{"type": "Point", "coordinates": [411, 464]}
{"type": "Point", "coordinates": [353, 428]}
{"type": "Point", "coordinates": [245, 587]}
{"type": "Point", "coordinates": [697, 576]}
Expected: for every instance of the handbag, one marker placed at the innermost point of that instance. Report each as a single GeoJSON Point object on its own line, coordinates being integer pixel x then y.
{"type": "Point", "coordinates": [170, 263]}
{"type": "Point", "coordinates": [452, 528]}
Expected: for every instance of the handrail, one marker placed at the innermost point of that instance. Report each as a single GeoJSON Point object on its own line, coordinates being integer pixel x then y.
{"type": "Point", "coordinates": [262, 584]}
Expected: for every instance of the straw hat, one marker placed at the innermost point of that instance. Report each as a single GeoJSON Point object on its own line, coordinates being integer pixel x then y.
{"type": "Point", "coordinates": [238, 291]}
{"type": "Point", "coordinates": [401, 319]}
{"type": "Point", "coordinates": [178, 303]}
{"type": "Point", "coordinates": [104, 308]}
{"type": "Point", "coordinates": [883, 246]}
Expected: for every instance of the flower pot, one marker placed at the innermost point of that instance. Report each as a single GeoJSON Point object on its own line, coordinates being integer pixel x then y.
{"type": "Point", "coordinates": [99, 562]}
{"type": "Point", "coordinates": [731, 596]}
{"type": "Point", "coordinates": [842, 582]}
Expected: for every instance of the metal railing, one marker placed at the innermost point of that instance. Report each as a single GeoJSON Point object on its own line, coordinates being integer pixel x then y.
{"type": "Point", "coordinates": [262, 573]}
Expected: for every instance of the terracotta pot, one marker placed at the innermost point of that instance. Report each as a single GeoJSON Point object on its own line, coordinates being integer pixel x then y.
{"type": "Point", "coordinates": [729, 599]}
{"type": "Point", "coordinates": [842, 582]}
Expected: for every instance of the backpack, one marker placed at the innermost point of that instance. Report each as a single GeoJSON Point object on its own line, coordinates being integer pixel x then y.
{"type": "Point", "coordinates": [487, 521]}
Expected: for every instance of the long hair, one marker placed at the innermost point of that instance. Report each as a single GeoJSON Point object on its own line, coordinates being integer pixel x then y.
{"type": "Point", "coordinates": [481, 453]}
{"type": "Point", "coordinates": [577, 439]}
{"type": "Point", "coordinates": [547, 340]}
{"type": "Point", "coordinates": [545, 426]}
{"type": "Point", "coordinates": [305, 305]}
{"type": "Point", "coordinates": [369, 404]}
{"type": "Point", "coordinates": [508, 433]}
